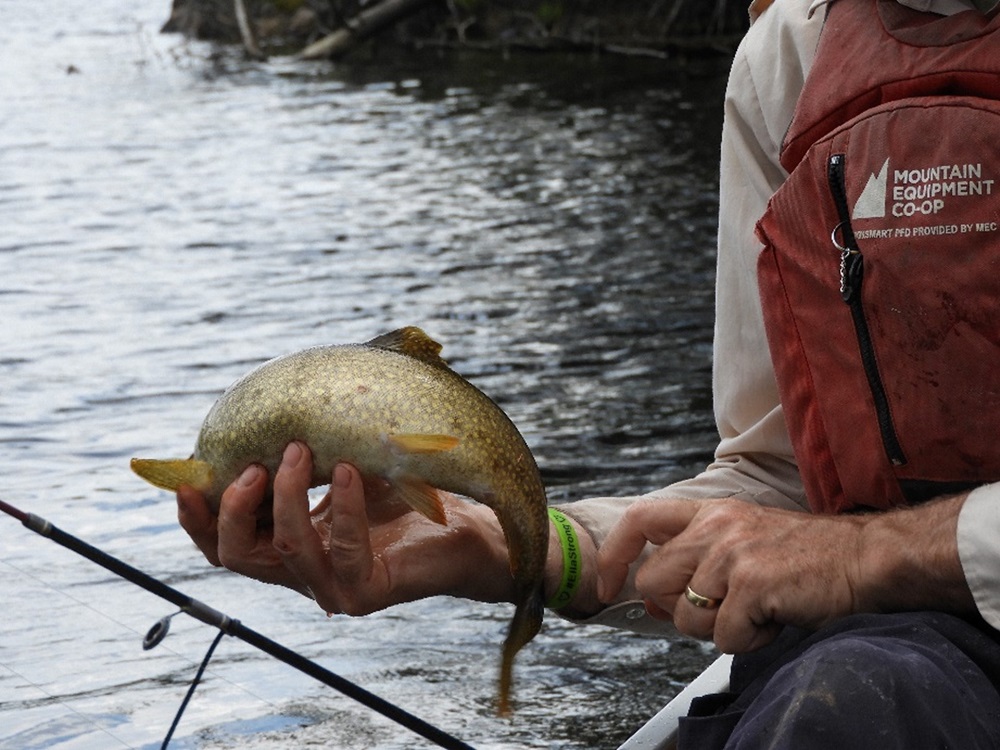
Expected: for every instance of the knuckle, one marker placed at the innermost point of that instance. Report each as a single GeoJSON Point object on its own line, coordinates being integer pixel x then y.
{"type": "Point", "coordinates": [286, 546]}
{"type": "Point", "coordinates": [344, 549]}
{"type": "Point", "coordinates": [694, 624]}
{"type": "Point", "coordinates": [636, 512]}
{"type": "Point", "coordinates": [228, 560]}
{"type": "Point", "coordinates": [643, 580]}
{"type": "Point", "coordinates": [743, 574]}
{"type": "Point", "coordinates": [726, 513]}
{"type": "Point", "coordinates": [346, 602]}
{"type": "Point", "coordinates": [355, 608]}
{"type": "Point", "coordinates": [733, 631]}
{"type": "Point", "coordinates": [727, 642]}
{"type": "Point", "coordinates": [327, 601]}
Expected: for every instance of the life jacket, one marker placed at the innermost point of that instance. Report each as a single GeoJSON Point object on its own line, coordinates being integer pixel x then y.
{"type": "Point", "coordinates": [880, 274]}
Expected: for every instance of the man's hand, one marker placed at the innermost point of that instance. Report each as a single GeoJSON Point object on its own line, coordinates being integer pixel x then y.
{"type": "Point", "coordinates": [774, 567]}
{"type": "Point", "coordinates": [358, 551]}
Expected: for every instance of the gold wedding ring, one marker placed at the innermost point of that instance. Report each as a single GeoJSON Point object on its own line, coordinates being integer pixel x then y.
{"type": "Point", "coordinates": [703, 602]}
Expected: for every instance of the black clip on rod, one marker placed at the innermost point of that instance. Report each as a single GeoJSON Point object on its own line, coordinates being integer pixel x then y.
{"type": "Point", "coordinates": [235, 628]}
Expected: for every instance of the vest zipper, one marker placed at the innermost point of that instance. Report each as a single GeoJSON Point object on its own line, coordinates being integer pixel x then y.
{"type": "Point", "coordinates": [852, 268]}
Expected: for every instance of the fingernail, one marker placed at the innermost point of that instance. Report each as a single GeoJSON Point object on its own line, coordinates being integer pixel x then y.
{"type": "Point", "coordinates": [341, 477]}
{"type": "Point", "coordinates": [249, 475]}
{"type": "Point", "coordinates": [601, 587]}
{"type": "Point", "coordinates": [293, 454]}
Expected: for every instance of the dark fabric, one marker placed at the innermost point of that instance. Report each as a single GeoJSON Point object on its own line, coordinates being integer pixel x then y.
{"type": "Point", "coordinates": [911, 680]}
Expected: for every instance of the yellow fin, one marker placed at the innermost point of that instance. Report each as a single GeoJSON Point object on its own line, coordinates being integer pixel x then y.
{"type": "Point", "coordinates": [170, 474]}
{"type": "Point", "coordinates": [413, 342]}
{"type": "Point", "coordinates": [422, 443]}
{"type": "Point", "coordinates": [420, 496]}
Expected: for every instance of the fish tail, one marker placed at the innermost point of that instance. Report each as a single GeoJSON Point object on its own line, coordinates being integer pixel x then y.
{"type": "Point", "coordinates": [170, 474]}
{"type": "Point", "coordinates": [523, 627]}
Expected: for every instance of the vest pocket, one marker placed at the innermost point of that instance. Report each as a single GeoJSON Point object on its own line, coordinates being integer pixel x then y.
{"type": "Point", "coordinates": [852, 267]}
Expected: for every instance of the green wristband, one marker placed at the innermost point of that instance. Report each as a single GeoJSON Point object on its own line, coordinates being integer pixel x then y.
{"type": "Point", "coordinates": [570, 581]}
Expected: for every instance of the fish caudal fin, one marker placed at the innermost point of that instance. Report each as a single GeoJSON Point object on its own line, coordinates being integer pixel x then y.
{"type": "Point", "coordinates": [525, 625]}
{"type": "Point", "coordinates": [170, 474]}
{"type": "Point", "coordinates": [420, 496]}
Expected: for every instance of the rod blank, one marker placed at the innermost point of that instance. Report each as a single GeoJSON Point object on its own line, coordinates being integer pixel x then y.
{"type": "Point", "coordinates": [229, 626]}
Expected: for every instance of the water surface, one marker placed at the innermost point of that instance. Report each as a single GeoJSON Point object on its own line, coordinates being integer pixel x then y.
{"type": "Point", "coordinates": [172, 216]}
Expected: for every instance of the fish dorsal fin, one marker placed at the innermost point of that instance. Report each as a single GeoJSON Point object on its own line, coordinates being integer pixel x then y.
{"type": "Point", "coordinates": [413, 342]}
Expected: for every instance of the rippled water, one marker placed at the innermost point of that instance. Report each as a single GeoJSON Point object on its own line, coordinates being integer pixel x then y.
{"type": "Point", "coordinates": [171, 216]}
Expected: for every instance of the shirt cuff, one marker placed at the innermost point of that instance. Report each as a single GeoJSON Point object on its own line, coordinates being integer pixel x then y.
{"type": "Point", "coordinates": [631, 616]}
{"type": "Point", "coordinates": [979, 549]}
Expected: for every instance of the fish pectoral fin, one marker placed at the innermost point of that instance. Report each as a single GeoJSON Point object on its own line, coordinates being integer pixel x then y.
{"type": "Point", "coordinates": [422, 443]}
{"type": "Point", "coordinates": [420, 496]}
{"type": "Point", "coordinates": [170, 474]}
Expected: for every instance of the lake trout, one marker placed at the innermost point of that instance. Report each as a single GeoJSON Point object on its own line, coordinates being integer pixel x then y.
{"type": "Point", "coordinates": [394, 409]}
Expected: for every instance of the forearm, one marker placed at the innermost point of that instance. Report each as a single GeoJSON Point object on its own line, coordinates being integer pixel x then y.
{"type": "Point", "coordinates": [488, 554]}
{"type": "Point", "coordinates": [908, 560]}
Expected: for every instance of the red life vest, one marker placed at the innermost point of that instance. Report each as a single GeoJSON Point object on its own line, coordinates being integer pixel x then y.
{"type": "Point", "coordinates": [880, 274]}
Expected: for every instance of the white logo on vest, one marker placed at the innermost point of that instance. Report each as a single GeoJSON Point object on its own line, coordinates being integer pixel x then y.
{"type": "Point", "coordinates": [918, 193]}
{"type": "Point", "coordinates": [871, 202]}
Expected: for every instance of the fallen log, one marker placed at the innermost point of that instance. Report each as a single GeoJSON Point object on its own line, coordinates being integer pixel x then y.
{"type": "Point", "coordinates": [246, 31]}
{"type": "Point", "coordinates": [364, 25]}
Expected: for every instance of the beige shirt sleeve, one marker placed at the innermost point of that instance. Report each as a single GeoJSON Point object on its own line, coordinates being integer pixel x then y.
{"type": "Point", "coordinates": [979, 549]}
{"type": "Point", "coordinates": [754, 459]}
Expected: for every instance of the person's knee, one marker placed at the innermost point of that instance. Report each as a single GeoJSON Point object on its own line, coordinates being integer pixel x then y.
{"type": "Point", "coordinates": [846, 680]}
{"type": "Point", "coordinates": [858, 692]}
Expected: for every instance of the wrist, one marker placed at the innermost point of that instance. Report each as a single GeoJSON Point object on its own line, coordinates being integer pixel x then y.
{"type": "Point", "coordinates": [489, 554]}
{"type": "Point", "coordinates": [908, 560]}
{"type": "Point", "coordinates": [494, 583]}
{"type": "Point", "coordinates": [571, 568]}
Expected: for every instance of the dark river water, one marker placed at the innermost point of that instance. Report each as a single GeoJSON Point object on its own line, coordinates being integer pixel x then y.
{"type": "Point", "coordinates": [171, 216]}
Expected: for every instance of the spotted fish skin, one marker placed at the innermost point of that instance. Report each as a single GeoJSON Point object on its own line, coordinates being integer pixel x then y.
{"type": "Point", "coordinates": [394, 409]}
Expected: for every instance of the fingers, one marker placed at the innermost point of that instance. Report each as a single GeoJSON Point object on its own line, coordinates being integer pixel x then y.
{"type": "Point", "coordinates": [655, 521]}
{"type": "Point", "coordinates": [239, 545]}
{"type": "Point", "coordinates": [738, 630]}
{"type": "Point", "coordinates": [662, 580]}
{"type": "Point", "coordinates": [350, 546]}
{"type": "Point", "coordinates": [701, 545]}
{"type": "Point", "coordinates": [698, 615]}
{"type": "Point", "coordinates": [336, 570]}
{"type": "Point", "coordinates": [356, 552]}
{"type": "Point", "coordinates": [293, 530]}
{"type": "Point", "coordinates": [294, 536]}
{"type": "Point", "coordinates": [197, 519]}
{"type": "Point", "coordinates": [655, 611]}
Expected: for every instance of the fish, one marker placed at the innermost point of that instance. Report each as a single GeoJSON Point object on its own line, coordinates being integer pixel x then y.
{"type": "Point", "coordinates": [393, 408]}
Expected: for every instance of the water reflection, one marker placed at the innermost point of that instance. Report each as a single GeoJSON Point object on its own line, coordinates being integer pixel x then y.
{"type": "Point", "coordinates": [173, 216]}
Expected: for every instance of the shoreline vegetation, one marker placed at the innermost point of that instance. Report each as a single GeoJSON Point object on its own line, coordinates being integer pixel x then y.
{"type": "Point", "coordinates": [334, 29]}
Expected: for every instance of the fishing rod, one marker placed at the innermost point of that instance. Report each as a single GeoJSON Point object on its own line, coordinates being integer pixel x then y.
{"type": "Point", "coordinates": [228, 626]}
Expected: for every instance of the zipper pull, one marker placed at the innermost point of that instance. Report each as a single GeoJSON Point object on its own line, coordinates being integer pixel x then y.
{"type": "Point", "coordinates": [851, 263]}
{"type": "Point", "coordinates": [852, 268]}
